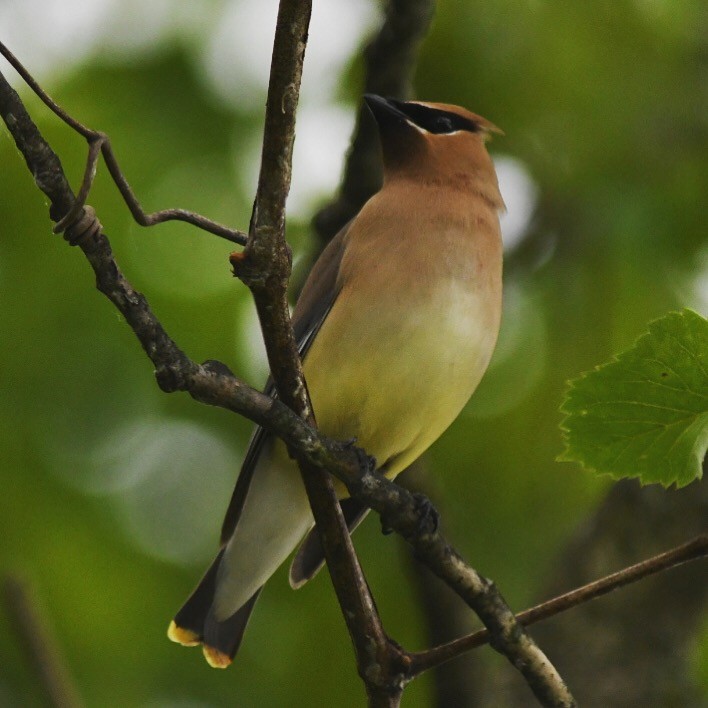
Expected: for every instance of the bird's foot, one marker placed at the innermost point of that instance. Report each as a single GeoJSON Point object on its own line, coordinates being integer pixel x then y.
{"type": "Point", "coordinates": [217, 367]}
{"type": "Point", "coordinates": [365, 462]}
{"type": "Point", "coordinates": [428, 516]}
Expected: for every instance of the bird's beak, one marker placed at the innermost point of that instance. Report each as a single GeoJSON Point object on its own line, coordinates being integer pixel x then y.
{"type": "Point", "coordinates": [385, 111]}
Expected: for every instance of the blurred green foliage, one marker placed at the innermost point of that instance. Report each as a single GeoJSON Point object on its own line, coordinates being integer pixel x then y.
{"type": "Point", "coordinates": [606, 105]}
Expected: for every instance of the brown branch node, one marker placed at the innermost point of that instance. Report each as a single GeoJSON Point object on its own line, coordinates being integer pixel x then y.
{"type": "Point", "coordinates": [83, 229]}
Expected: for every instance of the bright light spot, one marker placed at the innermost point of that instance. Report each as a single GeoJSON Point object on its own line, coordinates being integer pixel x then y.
{"type": "Point", "coordinates": [695, 293]}
{"type": "Point", "coordinates": [169, 483]}
{"type": "Point", "coordinates": [701, 291]}
{"type": "Point", "coordinates": [520, 194]}
{"type": "Point", "coordinates": [133, 26]}
{"type": "Point", "coordinates": [321, 142]}
{"type": "Point", "coordinates": [50, 35]}
{"type": "Point", "coordinates": [337, 28]}
{"type": "Point", "coordinates": [320, 146]}
{"type": "Point", "coordinates": [123, 459]}
{"type": "Point", "coordinates": [180, 484]}
{"type": "Point", "coordinates": [237, 61]}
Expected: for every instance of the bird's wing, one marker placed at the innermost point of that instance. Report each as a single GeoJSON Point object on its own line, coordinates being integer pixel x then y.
{"type": "Point", "coordinates": [315, 301]}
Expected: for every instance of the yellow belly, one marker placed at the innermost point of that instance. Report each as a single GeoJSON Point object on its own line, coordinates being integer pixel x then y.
{"type": "Point", "coordinates": [396, 377]}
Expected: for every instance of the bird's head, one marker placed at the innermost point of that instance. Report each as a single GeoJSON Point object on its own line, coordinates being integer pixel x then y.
{"type": "Point", "coordinates": [431, 141]}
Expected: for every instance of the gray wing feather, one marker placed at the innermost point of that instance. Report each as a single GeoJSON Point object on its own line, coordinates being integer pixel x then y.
{"type": "Point", "coordinates": [314, 304]}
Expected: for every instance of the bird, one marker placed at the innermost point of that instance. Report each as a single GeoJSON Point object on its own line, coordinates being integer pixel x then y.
{"type": "Point", "coordinates": [395, 325]}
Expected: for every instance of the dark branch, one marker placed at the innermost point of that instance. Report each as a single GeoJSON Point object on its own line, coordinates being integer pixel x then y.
{"type": "Point", "coordinates": [401, 511]}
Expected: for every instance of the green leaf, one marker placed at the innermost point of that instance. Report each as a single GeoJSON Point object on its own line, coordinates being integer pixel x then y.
{"type": "Point", "coordinates": [645, 413]}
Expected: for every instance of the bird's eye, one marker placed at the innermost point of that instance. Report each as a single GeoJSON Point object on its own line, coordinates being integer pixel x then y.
{"type": "Point", "coordinates": [443, 124]}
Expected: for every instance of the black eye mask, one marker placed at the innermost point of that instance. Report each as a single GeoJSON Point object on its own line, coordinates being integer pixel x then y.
{"type": "Point", "coordinates": [434, 120]}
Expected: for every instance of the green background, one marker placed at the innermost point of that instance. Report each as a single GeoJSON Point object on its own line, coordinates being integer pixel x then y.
{"type": "Point", "coordinates": [113, 493]}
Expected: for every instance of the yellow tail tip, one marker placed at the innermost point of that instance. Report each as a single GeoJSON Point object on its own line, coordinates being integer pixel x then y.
{"type": "Point", "coordinates": [215, 658]}
{"type": "Point", "coordinates": [182, 636]}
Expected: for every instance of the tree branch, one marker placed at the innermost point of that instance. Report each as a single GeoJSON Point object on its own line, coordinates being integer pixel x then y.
{"type": "Point", "coordinates": [695, 549]}
{"type": "Point", "coordinates": [265, 267]}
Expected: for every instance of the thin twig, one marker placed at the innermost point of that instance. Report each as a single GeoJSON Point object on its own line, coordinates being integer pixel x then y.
{"type": "Point", "coordinates": [695, 549]}
{"type": "Point", "coordinates": [99, 143]}
{"type": "Point", "coordinates": [40, 645]}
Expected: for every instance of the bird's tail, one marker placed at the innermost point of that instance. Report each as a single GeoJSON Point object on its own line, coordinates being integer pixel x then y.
{"type": "Point", "coordinates": [195, 623]}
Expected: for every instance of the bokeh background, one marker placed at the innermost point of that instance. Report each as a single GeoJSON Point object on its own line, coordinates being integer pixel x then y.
{"type": "Point", "coordinates": [112, 493]}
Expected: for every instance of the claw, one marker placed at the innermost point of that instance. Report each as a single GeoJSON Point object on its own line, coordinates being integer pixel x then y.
{"type": "Point", "coordinates": [217, 367]}
{"type": "Point", "coordinates": [428, 516]}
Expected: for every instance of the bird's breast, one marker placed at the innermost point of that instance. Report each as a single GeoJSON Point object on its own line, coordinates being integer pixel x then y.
{"type": "Point", "coordinates": [407, 340]}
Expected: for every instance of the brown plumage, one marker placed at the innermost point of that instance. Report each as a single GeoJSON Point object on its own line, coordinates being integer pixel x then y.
{"type": "Point", "coordinates": [396, 325]}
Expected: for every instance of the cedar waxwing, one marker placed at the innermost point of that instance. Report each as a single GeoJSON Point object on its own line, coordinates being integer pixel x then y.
{"type": "Point", "coordinates": [396, 325]}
